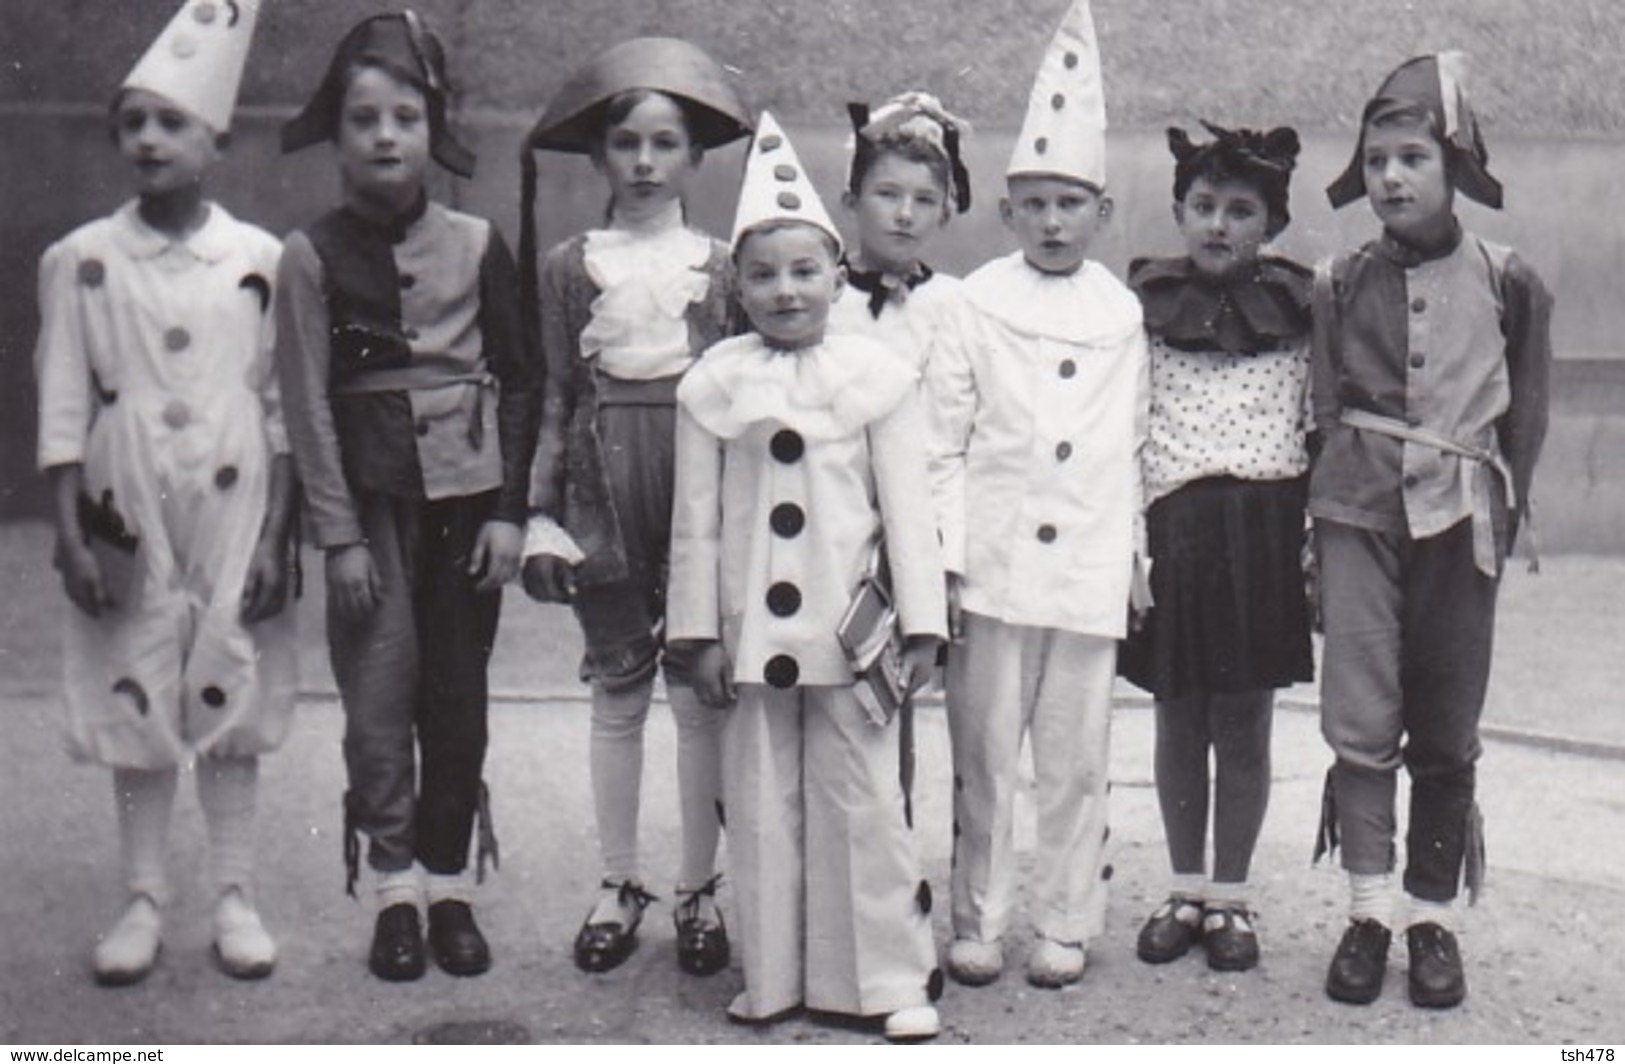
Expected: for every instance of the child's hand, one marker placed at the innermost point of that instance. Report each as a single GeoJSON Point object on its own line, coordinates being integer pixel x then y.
{"type": "Point", "coordinates": [496, 554]}
{"type": "Point", "coordinates": [82, 577]}
{"type": "Point", "coordinates": [956, 611]}
{"type": "Point", "coordinates": [353, 586]}
{"type": "Point", "coordinates": [265, 590]}
{"type": "Point", "coordinates": [714, 676]}
{"type": "Point", "coordinates": [549, 578]}
{"type": "Point", "coordinates": [920, 660]}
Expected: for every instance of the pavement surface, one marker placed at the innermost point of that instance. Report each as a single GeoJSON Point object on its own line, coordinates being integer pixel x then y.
{"type": "Point", "coordinates": [1545, 956]}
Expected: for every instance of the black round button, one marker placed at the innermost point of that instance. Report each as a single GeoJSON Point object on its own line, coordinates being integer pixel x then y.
{"type": "Point", "coordinates": [1046, 533]}
{"type": "Point", "coordinates": [781, 671]}
{"type": "Point", "coordinates": [1418, 361]}
{"type": "Point", "coordinates": [769, 142]}
{"type": "Point", "coordinates": [410, 333]}
{"type": "Point", "coordinates": [225, 477]}
{"type": "Point", "coordinates": [1411, 480]}
{"type": "Point", "coordinates": [1418, 305]}
{"type": "Point", "coordinates": [787, 520]}
{"type": "Point", "coordinates": [213, 697]}
{"type": "Point", "coordinates": [92, 273]}
{"type": "Point", "coordinates": [787, 446]}
{"type": "Point", "coordinates": [423, 426]}
{"type": "Point", "coordinates": [1063, 451]}
{"type": "Point", "coordinates": [1041, 145]}
{"type": "Point", "coordinates": [407, 281]}
{"type": "Point", "coordinates": [783, 599]}
{"type": "Point", "coordinates": [1069, 368]}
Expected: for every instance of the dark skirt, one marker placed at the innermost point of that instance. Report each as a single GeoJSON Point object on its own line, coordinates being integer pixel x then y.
{"type": "Point", "coordinates": [1231, 614]}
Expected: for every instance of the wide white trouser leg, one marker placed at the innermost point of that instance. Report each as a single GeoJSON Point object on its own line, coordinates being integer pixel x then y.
{"type": "Point", "coordinates": [1003, 681]}
{"type": "Point", "coordinates": [1071, 737]}
{"type": "Point", "coordinates": [869, 945]}
{"type": "Point", "coordinates": [761, 781]}
{"type": "Point", "coordinates": [985, 725]}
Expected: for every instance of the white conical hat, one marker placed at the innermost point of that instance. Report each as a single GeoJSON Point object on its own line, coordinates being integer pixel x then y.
{"type": "Point", "coordinates": [1064, 132]}
{"type": "Point", "coordinates": [197, 62]}
{"type": "Point", "coordinates": [776, 188]}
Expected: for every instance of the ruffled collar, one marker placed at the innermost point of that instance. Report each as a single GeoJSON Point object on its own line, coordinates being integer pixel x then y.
{"type": "Point", "coordinates": [824, 392]}
{"type": "Point", "coordinates": [882, 287]}
{"type": "Point", "coordinates": [647, 274]}
{"type": "Point", "coordinates": [1087, 306]}
{"type": "Point", "coordinates": [1263, 310]}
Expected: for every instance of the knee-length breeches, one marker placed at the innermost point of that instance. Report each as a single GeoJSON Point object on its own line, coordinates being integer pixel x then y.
{"type": "Point", "coordinates": [1409, 626]}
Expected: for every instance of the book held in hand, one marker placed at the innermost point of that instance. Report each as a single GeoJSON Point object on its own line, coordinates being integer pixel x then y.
{"type": "Point", "coordinates": [873, 645]}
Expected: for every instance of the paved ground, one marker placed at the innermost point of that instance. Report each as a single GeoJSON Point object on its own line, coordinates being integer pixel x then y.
{"type": "Point", "coordinates": [1545, 951]}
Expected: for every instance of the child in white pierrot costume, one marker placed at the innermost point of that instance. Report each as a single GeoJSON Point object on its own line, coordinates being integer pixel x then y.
{"type": "Point", "coordinates": [161, 433]}
{"type": "Point", "coordinates": [796, 451]}
{"type": "Point", "coordinates": [1039, 393]}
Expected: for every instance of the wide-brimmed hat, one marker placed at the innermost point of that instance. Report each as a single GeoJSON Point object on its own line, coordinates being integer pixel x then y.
{"type": "Point", "coordinates": [573, 121]}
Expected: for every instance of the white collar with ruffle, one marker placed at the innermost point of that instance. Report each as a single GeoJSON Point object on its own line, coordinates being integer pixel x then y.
{"type": "Point", "coordinates": [1087, 306]}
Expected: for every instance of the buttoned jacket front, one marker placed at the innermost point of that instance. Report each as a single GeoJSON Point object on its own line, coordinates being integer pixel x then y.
{"type": "Point", "coordinates": [789, 466]}
{"type": "Point", "coordinates": [1458, 345]}
{"type": "Point", "coordinates": [1039, 395]}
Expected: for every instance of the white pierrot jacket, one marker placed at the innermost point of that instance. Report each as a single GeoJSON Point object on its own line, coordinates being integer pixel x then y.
{"type": "Point", "coordinates": [789, 465]}
{"type": "Point", "coordinates": [1039, 396]}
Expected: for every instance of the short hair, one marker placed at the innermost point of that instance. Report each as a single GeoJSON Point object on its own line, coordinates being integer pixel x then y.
{"type": "Point", "coordinates": [1264, 161]}
{"type": "Point", "coordinates": [905, 145]}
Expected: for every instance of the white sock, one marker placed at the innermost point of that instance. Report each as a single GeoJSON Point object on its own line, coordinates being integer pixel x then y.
{"type": "Point", "coordinates": [144, 799]}
{"type": "Point", "coordinates": [1228, 895]}
{"type": "Point", "coordinates": [226, 789]}
{"type": "Point", "coordinates": [1371, 897]}
{"type": "Point", "coordinates": [398, 888]}
{"type": "Point", "coordinates": [1442, 913]}
{"type": "Point", "coordinates": [1192, 885]}
{"type": "Point", "coordinates": [454, 887]}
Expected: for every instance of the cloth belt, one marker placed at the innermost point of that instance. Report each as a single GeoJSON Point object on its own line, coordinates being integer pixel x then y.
{"type": "Point", "coordinates": [426, 372]}
{"type": "Point", "coordinates": [1487, 458]}
{"type": "Point", "coordinates": [620, 391]}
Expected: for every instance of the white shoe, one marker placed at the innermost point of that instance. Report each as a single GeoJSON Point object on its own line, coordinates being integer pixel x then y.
{"type": "Point", "coordinates": [1055, 964]}
{"type": "Point", "coordinates": [975, 963]}
{"type": "Point", "coordinates": [130, 948]}
{"type": "Point", "coordinates": [914, 1024]}
{"type": "Point", "coordinates": [243, 949]}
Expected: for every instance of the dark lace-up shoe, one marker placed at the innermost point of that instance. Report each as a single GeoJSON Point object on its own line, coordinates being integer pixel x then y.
{"type": "Point", "coordinates": [1360, 963]}
{"type": "Point", "coordinates": [1436, 978]}
{"type": "Point", "coordinates": [397, 945]}
{"type": "Point", "coordinates": [455, 941]}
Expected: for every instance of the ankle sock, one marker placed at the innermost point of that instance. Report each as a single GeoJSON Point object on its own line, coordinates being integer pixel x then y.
{"type": "Point", "coordinates": [1422, 911]}
{"type": "Point", "coordinates": [398, 888]}
{"type": "Point", "coordinates": [1371, 897]}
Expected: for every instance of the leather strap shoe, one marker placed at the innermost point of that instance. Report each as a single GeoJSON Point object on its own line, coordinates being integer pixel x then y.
{"type": "Point", "coordinates": [1436, 978]}
{"type": "Point", "coordinates": [702, 937]}
{"type": "Point", "coordinates": [610, 933]}
{"type": "Point", "coordinates": [1170, 932]}
{"type": "Point", "coordinates": [455, 941]}
{"type": "Point", "coordinates": [397, 945]}
{"type": "Point", "coordinates": [1360, 963]}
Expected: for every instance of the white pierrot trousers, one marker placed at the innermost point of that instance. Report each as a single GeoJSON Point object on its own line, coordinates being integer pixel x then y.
{"type": "Point", "coordinates": [1004, 682]}
{"type": "Point", "coordinates": [830, 910]}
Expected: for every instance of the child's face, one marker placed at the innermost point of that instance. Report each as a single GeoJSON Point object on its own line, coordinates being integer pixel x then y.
{"type": "Point", "coordinates": [1407, 181]}
{"type": "Point", "coordinates": [383, 138]}
{"type": "Point", "coordinates": [648, 157]}
{"type": "Point", "coordinates": [787, 280]}
{"type": "Point", "coordinates": [168, 148]}
{"type": "Point", "coordinates": [1224, 223]}
{"type": "Point", "coordinates": [901, 207]}
{"type": "Point", "coordinates": [1055, 219]}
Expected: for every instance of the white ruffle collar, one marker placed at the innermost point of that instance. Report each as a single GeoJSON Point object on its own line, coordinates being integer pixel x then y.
{"type": "Point", "coordinates": [823, 392]}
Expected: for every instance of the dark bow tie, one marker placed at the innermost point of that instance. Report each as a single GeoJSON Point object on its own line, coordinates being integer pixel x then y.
{"type": "Point", "coordinates": [886, 287]}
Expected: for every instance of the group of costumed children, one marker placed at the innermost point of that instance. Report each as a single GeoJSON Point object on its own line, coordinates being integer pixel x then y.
{"type": "Point", "coordinates": [703, 448]}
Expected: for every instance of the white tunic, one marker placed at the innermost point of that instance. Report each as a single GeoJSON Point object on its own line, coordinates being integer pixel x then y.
{"type": "Point", "coordinates": [154, 372]}
{"type": "Point", "coordinates": [788, 467]}
{"type": "Point", "coordinates": [1039, 396]}
{"type": "Point", "coordinates": [911, 326]}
